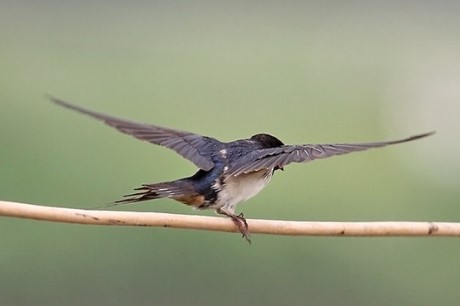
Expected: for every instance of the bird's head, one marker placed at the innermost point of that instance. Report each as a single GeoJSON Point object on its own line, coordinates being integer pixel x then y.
{"type": "Point", "coordinates": [267, 141]}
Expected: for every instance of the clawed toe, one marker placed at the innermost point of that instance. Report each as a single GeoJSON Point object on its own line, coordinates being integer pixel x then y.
{"type": "Point", "coordinates": [240, 222]}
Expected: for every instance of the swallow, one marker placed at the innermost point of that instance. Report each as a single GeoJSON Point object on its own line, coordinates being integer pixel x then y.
{"type": "Point", "coordinates": [229, 172]}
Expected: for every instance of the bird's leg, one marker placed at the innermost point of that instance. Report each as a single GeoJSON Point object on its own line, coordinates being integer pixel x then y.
{"type": "Point", "coordinates": [239, 221]}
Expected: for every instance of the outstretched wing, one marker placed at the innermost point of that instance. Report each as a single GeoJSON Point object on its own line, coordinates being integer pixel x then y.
{"type": "Point", "coordinates": [284, 155]}
{"type": "Point", "coordinates": [193, 147]}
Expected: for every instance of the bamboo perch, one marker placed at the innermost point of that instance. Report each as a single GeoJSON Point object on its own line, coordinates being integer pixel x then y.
{"type": "Point", "coordinates": [256, 226]}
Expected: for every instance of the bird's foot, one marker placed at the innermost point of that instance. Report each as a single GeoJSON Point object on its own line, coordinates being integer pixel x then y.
{"type": "Point", "coordinates": [240, 222]}
{"type": "Point", "coordinates": [242, 225]}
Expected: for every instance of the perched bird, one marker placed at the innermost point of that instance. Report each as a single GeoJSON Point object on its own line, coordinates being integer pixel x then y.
{"type": "Point", "coordinates": [229, 172]}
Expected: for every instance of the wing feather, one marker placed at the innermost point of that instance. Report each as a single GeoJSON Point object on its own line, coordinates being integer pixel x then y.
{"type": "Point", "coordinates": [194, 147]}
{"type": "Point", "coordinates": [284, 155]}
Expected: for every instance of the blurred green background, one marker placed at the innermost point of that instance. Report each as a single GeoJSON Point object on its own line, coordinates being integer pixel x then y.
{"type": "Point", "coordinates": [305, 71]}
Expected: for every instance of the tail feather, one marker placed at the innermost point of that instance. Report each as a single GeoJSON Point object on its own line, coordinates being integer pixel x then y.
{"type": "Point", "coordinates": [175, 189]}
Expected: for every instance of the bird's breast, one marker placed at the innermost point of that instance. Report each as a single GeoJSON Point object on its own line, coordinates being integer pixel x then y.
{"type": "Point", "coordinates": [235, 189]}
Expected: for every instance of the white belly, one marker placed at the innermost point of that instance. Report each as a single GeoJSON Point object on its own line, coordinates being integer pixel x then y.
{"type": "Point", "coordinates": [241, 188]}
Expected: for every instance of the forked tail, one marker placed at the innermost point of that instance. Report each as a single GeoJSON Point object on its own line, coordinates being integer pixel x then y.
{"type": "Point", "coordinates": [180, 190]}
{"type": "Point", "coordinates": [175, 189]}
